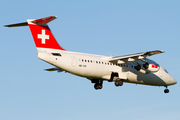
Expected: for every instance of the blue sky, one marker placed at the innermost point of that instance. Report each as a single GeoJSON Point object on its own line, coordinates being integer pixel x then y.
{"type": "Point", "coordinates": [100, 27]}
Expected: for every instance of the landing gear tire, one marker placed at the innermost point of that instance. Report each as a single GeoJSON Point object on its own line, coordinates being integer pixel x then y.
{"type": "Point", "coordinates": [166, 91]}
{"type": "Point", "coordinates": [98, 86]}
{"type": "Point", "coordinates": [118, 82]}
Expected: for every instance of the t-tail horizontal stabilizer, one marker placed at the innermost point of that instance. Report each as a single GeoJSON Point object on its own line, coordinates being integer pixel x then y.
{"type": "Point", "coordinates": [41, 21]}
{"type": "Point", "coordinates": [17, 24]}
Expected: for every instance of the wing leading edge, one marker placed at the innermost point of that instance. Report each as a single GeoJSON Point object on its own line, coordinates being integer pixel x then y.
{"type": "Point", "coordinates": [133, 57]}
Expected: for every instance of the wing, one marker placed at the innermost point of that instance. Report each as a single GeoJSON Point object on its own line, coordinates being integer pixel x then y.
{"type": "Point", "coordinates": [133, 57]}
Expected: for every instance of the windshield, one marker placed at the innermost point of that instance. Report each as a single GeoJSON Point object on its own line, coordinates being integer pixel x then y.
{"type": "Point", "coordinates": [165, 70]}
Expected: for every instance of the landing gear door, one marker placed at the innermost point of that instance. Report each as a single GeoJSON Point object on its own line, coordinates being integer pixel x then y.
{"type": "Point", "coordinates": [73, 61]}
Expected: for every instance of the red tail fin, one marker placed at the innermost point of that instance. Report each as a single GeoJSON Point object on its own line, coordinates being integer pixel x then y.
{"type": "Point", "coordinates": [42, 35]}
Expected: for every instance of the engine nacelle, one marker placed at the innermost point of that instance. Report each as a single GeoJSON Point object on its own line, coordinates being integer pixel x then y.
{"type": "Point", "coordinates": [138, 68]}
{"type": "Point", "coordinates": [151, 67]}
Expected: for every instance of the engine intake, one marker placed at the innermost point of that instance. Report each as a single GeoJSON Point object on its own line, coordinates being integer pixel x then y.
{"type": "Point", "coordinates": [151, 67]}
{"type": "Point", "coordinates": [138, 68]}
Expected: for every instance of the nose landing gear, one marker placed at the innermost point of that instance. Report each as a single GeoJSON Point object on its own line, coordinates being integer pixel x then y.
{"type": "Point", "coordinates": [166, 90]}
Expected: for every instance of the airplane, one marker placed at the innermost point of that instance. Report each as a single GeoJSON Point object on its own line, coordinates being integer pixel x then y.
{"type": "Point", "coordinates": [133, 68]}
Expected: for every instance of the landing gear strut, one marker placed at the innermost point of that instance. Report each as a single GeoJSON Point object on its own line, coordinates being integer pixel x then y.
{"type": "Point", "coordinates": [166, 90]}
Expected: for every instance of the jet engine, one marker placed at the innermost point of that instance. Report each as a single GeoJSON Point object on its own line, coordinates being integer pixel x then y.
{"type": "Point", "coordinates": [151, 67]}
{"type": "Point", "coordinates": [145, 66]}
{"type": "Point", "coordinates": [139, 69]}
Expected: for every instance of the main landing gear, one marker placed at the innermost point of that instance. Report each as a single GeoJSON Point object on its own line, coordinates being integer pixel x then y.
{"type": "Point", "coordinates": [118, 82]}
{"type": "Point", "coordinates": [98, 84]}
{"type": "Point", "coordinates": [116, 79]}
{"type": "Point", "coordinates": [166, 90]}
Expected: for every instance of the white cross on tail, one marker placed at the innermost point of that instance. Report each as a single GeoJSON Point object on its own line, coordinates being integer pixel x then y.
{"type": "Point", "coordinates": [43, 37]}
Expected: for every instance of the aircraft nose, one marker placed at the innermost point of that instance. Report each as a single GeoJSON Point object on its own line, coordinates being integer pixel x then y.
{"type": "Point", "coordinates": [173, 81]}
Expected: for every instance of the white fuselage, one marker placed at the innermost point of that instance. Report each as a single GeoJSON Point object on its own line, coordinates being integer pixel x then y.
{"type": "Point", "coordinates": [98, 67]}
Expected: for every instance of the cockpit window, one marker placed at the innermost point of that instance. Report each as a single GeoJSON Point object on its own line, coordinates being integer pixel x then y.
{"type": "Point", "coordinates": [165, 70]}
